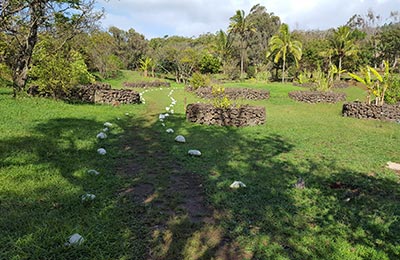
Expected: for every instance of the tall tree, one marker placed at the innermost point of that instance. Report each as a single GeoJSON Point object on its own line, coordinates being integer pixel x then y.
{"type": "Point", "coordinates": [343, 45]}
{"type": "Point", "coordinates": [390, 43]}
{"type": "Point", "coordinates": [23, 20]}
{"type": "Point", "coordinates": [282, 45]}
{"type": "Point", "coordinates": [241, 27]}
{"type": "Point", "coordinates": [266, 25]}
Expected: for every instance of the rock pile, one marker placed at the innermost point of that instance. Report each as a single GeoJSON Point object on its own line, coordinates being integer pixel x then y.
{"type": "Point", "coordinates": [317, 96]}
{"type": "Point", "coordinates": [232, 93]}
{"type": "Point", "coordinates": [364, 110]}
{"type": "Point", "coordinates": [209, 115]}
{"type": "Point", "coordinates": [120, 96]}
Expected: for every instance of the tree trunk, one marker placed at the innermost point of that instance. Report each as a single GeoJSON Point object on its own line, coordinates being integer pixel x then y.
{"type": "Point", "coordinates": [340, 67]}
{"type": "Point", "coordinates": [241, 62]}
{"type": "Point", "coordinates": [20, 74]}
{"type": "Point", "coordinates": [283, 70]}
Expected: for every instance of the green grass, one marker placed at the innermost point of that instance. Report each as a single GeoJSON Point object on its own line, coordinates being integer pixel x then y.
{"type": "Point", "coordinates": [46, 147]}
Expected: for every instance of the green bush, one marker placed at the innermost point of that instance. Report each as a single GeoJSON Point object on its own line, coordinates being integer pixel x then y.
{"type": "Point", "coordinates": [56, 73]}
{"type": "Point", "coordinates": [220, 100]}
{"type": "Point", "coordinates": [231, 70]}
{"type": "Point", "coordinates": [209, 64]}
{"type": "Point", "coordinates": [199, 80]}
{"type": "Point", "coordinates": [393, 92]}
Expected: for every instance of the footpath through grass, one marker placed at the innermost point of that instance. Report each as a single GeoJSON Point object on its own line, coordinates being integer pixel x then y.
{"type": "Point", "coordinates": [349, 208]}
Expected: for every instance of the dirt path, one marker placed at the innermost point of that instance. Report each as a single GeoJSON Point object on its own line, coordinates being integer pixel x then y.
{"type": "Point", "coordinates": [173, 199]}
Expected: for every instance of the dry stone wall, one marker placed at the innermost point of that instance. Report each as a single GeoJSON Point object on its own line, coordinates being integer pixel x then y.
{"type": "Point", "coordinates": [209, 115]}
{"type": "Point", "coordinates": [364, 110]}
{"type": "Point", "coordinates": [232, 93]}
{"type": "Point", "coordinates": [317, 96]}
{"type": "Point", "coordinates": [94, 93]}
{"type": "Point", "coordinates": [117, 96]}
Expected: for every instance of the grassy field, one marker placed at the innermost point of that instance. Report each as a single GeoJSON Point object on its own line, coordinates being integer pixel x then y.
{"type": "Point", "coordinates": [348, 210]}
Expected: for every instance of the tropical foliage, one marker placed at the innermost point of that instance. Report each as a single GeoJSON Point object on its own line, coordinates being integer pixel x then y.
{"type": "Point", "coordinates": [282, 46]}
{"type": "Point", "coordinates": [376, 83]}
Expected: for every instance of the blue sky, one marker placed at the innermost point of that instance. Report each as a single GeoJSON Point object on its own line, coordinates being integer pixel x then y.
{"type": "Point", "coordinates": [156, 18]}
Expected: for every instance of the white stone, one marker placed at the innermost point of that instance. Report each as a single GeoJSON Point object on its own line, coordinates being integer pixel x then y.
{"type": "Point", "coordinates": [194, 152]}
{"type": "Point", "coordinates": [393, 166]}
{"type": "Point", "coordinates": [172, 111]}
{"type": "Point", "coordinates": [166, 115]}
{"type": "Point", "coordinates": [167, 108]}
{"type": "Point", "coordinates": [88, 197]}
{"type": "Point", "coordinates": [107, 124]}
{"type": "Point", "coordinates": [163, 124]}
{"type": "Point", "coordinates": [75, 239]}
{"type": "Point", "coordinates": [127, 114]}
{"type": "Point", "coordinates": [94, 172]}
{"type": "Point", "coordinates": [102, 151]}
{"type": "Point", "coordinates": [101, 135]}
{"type": "Point", "coordinates": [170, 130]}
{"type": "Point", "coordinates": [118, 118]}
{"type": "Point", "coordinates": [105, 129]}
{"type": "Point", "coordinates": [161, 116]}
{"type": "Point", "coordinates": [237, 185]}
{"type": "Point", "coordinates": [180, 139]}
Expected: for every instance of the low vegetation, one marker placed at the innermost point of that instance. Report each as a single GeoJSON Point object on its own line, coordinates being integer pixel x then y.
{"type": "Point", "coordinates": [347, 209]}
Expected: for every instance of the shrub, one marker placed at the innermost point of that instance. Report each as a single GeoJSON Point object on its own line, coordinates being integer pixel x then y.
{"type": "Point", "coordinates": [56, 73]}
{"type": "Point", "coordinates": [231, 70]}
{"type": "Point", "coordinates": [263, 73]}
{"type": "Point", "coordinates": [393, 93]}
{"type": "Point", "coordinates": [209, 64]}
{"type": "Point", "coordinates": [199, 80]}
{"type": "Point", "coordinates": [220, 100]}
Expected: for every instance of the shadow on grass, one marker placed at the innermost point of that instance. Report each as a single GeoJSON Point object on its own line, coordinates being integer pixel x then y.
{"type": "Point", "coordinates": [340, 213]}
{"type": "Point", "coordinates": [43, 176]}
{"type": "Point", "coordinates": [164, 204]}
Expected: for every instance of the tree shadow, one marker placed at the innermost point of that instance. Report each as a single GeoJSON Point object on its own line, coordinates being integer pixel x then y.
{"type": "Point", "coordinates": [353, 213]}
{"type": "Point", "coordinates": [44, 176]}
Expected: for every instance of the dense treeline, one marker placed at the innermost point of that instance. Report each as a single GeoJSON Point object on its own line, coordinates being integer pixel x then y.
{"type": "Point", "coordinates": [57, 44]}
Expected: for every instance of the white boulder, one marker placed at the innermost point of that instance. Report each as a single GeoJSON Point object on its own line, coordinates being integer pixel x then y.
{"type": "Point", "coordinates": [75, 239]}
{"type": "Point", "coordinates": [94, 172]}
{"type": "Point", "coordinates": [101, 151]}
{"type": "Point", "coordinates": [107, 124]}
{"type": "Point", "coordinates": [88, 197]}
{"type": "Point", "coordinates": [180, 139]}
{"type": "Point", "coordinates": [170, 130]}
{"type": "Point", "coordinates": [101, 135]}
{"type": "Point", "coordinates": [237, 185]}
{"type": "Point", "coordinates": [194, 152]}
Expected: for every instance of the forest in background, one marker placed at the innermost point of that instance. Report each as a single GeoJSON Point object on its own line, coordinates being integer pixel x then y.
{"type": "Point", "coordinates": [58, 44]}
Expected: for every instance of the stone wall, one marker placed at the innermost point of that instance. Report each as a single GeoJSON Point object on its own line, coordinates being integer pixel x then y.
{"type": "Point", "coordinates": [336, 84]}
{"type": "Point", "coordinates": [153, 84]}
{"type": "Point", "coordinates": [209, 115]}
{"type": "Point", "coordinates": [232, 93]}
{"type": "Point", "coordinates": [94, 93]}
{"type": "Point", "coordinates": [363, 110]}
{"type": "Point", "coordinates": [117, 96]}
{"type": "Point", "coordinates": [87, 93]}
{"type": "Point", "coordinates": [317, 96]}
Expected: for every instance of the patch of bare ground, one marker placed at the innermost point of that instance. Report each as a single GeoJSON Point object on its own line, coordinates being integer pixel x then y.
{"type": "Point", "coordinates": [181, 223]}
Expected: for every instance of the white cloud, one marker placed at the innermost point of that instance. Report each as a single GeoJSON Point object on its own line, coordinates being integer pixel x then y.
{"type": "Point", "coordinates": [156, 18]}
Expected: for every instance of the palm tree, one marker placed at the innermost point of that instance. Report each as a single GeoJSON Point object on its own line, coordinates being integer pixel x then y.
{"type": "Point", "coordinates": [240, 26]}
{"type": "Point", "coordinates": [342, 45]}
{"type": "Point", "coordinates": [281, 45]}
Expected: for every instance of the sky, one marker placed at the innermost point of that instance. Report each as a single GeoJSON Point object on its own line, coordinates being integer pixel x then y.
{"type": "Point", "coordinates": [190, 18]}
